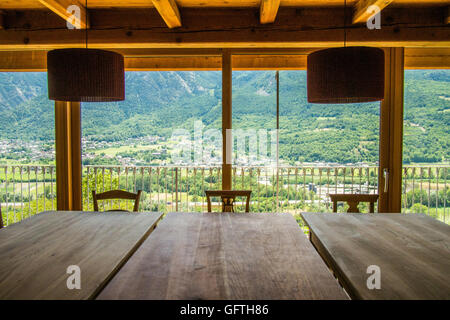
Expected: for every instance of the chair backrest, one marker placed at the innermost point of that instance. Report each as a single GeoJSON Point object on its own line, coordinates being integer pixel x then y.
{"type": "Point", "coordinates": [353, 201]}
{"type": "Point", "coordinates": [117, 194]}
{"type": "Point", "coordinates": [228, 197]}
{"type": "Point", "coordinates": [1, 217]}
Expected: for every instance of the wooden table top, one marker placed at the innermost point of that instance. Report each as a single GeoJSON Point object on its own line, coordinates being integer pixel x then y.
{"type": "Point", "coordinates": [225, 256]}
{"type": "Point", "coordinates": [35, 253]}
{"type": "Point", "coordinates": [412, 252]}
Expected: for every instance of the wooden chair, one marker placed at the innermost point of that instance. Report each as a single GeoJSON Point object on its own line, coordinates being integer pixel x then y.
{"type": "Point", "coordinates": [117, 194]}
{"type": "Point", "coordinates": [228, 197]}
{"type": "Point", "coordinates": [353, 201]}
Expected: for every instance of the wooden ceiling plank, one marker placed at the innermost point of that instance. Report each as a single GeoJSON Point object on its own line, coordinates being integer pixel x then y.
{"type": "Point", "coordinates": [268, 11]}
{"type": "Point", "coordinates": [447, 18]}
{"type": "Point", "coordinates": [60, 7]}
{"type": "Point", "coordinates": [168, 10]}
{"type": "Point", "coordinates": [361, 12]}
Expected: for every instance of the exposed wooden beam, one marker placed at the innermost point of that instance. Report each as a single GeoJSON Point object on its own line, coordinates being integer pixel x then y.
{"type": "Point", "coordinates": [173, 64]}
{"type": "Point", "coordinates": [226, 28]}
{"type": "Point", "coordinates": [60, 7]}
{"type": "Point", "coordinates": [361, 13]}
{"type": "Point", "coordinates": [268, 11]}
{"type": "Point", "coordinates": [172, 52]}
{"type": "Point", "coordinates": [269, 62]}
{"type": "Point", "coordinates": [23, 61]}
{"type": "Point", "coordinates": [427, 58]}
{"type": "Point", "coordinates": [199, 59]}
{"type": "Point", "coordinates": [168, 10]}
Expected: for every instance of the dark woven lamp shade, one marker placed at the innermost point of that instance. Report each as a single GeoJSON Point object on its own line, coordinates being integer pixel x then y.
{"type": "Point", "coordinates": [345, 75]}
{"type": "Point", "coordinates": [88, 75]}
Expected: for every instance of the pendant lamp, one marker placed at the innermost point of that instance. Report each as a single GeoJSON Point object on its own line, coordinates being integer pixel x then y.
{"type": "Point", "coordinates": [88, 75]}
{"type": "Point", "coordinates": [85, 75]}
{"type": "Point", "coordinates": [345, 75]}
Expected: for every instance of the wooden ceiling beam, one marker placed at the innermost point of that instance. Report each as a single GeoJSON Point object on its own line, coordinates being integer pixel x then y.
{"type": "Point", "coordinates": [225, 28]}
{"type": "Point", "coordinates": [168, 10]}
{"type": "Point", "coordinates": [268, 11]}
{"type": "Point", "coordinates": [60, 7]}
{"type": "Point", "coordinates": [415, 58]}
{"type": "Point", "coordinates": [361, 12]}
{"type": "Point", "coordinates": [269, 62]}
{"type": "Point", "coordinates": [427, 58]}
{"type": "Point", "coordinates": [23, 61]}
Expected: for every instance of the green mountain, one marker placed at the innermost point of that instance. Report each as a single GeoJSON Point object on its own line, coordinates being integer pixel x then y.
{"type": "Point", "coordinates": [158, 102]}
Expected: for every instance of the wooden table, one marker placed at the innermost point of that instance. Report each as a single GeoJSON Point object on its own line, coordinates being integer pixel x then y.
{"type": "Point", "coordinates": [35, 253]}
{"type": "Point", "coordinates": [225, 256]}
{"type": "Point", "coordinates": [412, 252]}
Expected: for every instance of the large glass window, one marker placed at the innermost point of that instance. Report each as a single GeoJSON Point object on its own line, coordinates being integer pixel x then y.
{"type": "Point", "coordinates": [27, 146]}
{"type": "Point", "coordinates": [322, 149]}
{"type": "Point", "coordinates": [329, 148]}
{"type": "Point", "coordinates": [255, 137]}
{"type": "Point", "coordinates": [426, 143]}
{"type": "Point", "coordinates": [164, 138]}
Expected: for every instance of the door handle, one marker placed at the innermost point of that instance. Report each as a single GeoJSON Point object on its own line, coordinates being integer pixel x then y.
{"type": "Point", "coordinates": [386, 179]}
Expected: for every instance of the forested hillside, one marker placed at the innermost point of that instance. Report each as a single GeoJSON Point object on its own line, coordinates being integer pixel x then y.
{"type": "Point", "coordinates": [158, 102]}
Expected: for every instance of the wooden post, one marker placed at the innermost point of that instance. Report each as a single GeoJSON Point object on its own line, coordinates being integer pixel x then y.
{"type": "Point", "coordinates": [391, 133]}
{"type": "Point", "coordinates": [227, 142]}
{"type": "Point", "coordinates": [68, 155]}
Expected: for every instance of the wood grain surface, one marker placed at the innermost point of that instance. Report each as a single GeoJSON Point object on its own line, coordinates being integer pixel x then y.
{"type": "Point", "coordinates": [412, 251]}
{"type": "Point", "coordinates": [225, 256]}
{"type": "Point", "coordinates": [35, 253]}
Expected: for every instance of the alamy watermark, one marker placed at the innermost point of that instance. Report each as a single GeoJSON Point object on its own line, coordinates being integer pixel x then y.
{"type": "Point", "coordinates": [374, 280]}
{"type": "Point", "coordinates": [74, 280]}
{"type": "Point", "coordinates": [74, 20]}
{"type": "Point", "coordinates": [374, 20]}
